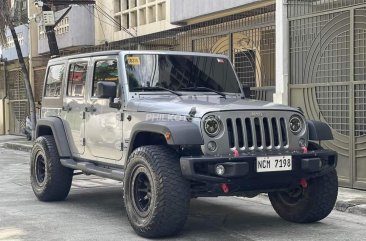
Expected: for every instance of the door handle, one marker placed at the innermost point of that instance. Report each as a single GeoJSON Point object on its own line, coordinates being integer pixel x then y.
{"type": "Point", "coordinates": [90, 109]}
{"type": "Point", "coordinates": [66, 108]}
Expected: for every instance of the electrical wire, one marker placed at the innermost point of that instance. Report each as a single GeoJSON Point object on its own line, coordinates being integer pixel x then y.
{"type": "Point", "coordinates": [105, 14]}
{"type": "Point", "coordinates": [109, 18]}
{"type": "Point", "coordinates": [101, 27]}
{"type": "Point", "coordinates": [98, 17]}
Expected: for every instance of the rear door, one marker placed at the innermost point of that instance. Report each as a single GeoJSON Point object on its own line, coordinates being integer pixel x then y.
{"type": "Point", "coordinates": [73, 110]}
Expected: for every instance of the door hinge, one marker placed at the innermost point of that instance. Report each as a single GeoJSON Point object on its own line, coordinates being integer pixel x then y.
{"type": "Point", "coordinates": [84, 141]}
{"type": "Point", "coordinates": [122, 117]}
{"type": "Point", "coordinates": [121, 149]}
{"type": "Point", "coordinates": [83, 115]}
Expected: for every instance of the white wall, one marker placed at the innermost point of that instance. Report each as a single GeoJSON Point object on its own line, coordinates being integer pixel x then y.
{"type": "Point", "coordinates": [1, 118]}
{"type": "Point", "coordinates": [182, 11]}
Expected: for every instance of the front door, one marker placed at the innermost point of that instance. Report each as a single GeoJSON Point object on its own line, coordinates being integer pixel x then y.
{"type": "Point", "coordinates": [74, 105]}
{"type": "Point", "coordinates": [103, 123]}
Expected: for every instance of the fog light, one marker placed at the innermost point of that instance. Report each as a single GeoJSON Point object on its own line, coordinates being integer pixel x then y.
{"type": "Point", "coordinates": [220, 170]}
{"type": "Point", "coordinates": [211, 146]}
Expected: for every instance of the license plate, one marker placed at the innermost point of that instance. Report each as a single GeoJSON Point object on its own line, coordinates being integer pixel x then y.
{"type": "Point", "coordinates": [274, 163]}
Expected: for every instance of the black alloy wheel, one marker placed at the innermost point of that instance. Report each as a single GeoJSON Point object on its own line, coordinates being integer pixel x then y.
{"type": "Point", "coordinates": [141, 191]}
{"type": "Point", "coordinates": [40, 169]}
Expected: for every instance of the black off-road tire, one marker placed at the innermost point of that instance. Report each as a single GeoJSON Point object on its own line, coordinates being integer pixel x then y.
{"type": "Point", "coordinates": [164, 213]}
{"type": "Point", "coordinates": [313, 203]}
{"type": "Point", "coordinates": [49, 179]}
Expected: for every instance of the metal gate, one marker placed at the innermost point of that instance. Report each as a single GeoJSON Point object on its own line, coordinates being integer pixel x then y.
{"type": "Point", "coordinates": [18, 103]}
{"type": "Point", "coordinates": [328, 76]}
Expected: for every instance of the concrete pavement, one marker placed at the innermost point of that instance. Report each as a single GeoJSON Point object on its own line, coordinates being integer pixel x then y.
{"type": "Point", "coordinates": [349, 200]}
{"type": "Point", "coordinates": [13, 142]}
{"type": "Point", "coordinates": [95, 210]}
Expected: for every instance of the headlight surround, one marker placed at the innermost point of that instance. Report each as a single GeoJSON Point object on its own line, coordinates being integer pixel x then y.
{"type": "Point", "coordinates": [296, 124]}
{"type": "Point", "coordinates": [212, 125]}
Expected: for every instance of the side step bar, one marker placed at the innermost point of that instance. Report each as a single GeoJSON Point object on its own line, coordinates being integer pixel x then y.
{"type": "Point", "coordinates": [91, 168]}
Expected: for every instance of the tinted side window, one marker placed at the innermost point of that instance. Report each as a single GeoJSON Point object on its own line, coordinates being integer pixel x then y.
{"type": "Point", "coordinates": [77, 78]}
{"type": "Point", "coordinates": [54, 81]}
{"type": "Point", "coordinates": [104, 70]}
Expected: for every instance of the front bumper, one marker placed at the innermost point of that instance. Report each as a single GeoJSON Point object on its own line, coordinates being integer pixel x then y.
{"type": "Point", "coordinates": [242, 170]}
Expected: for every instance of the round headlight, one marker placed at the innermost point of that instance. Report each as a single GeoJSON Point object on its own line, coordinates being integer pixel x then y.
{"type": "Point", "coordinates": [296, 124]}
{"type": "Point", "coordinates": [212, 125]}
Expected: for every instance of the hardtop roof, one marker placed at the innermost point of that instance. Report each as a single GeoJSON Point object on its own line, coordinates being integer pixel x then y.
{"type": "Point", "coordinates": [116, 52]}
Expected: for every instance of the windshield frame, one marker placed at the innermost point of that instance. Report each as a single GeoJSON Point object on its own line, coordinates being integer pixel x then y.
{"type": "Point", "coordinates": [185, 92]}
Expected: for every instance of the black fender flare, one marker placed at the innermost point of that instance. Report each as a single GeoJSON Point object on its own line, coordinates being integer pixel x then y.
{"type": "Point", "coordinates": [58, 131]}
{"type": "Point", "coordinates": [319, 131]}
{"type": "Point", "coordinates": [181, 132]}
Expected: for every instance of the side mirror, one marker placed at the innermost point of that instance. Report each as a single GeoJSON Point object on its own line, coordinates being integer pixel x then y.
{"type": "Point", "coordinates": [106, 90]}
{"type": "Point", "coordinates": [246, 90]}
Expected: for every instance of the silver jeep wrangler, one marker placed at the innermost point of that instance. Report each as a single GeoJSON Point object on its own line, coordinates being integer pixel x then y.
{"type": "Point", "coordinates": [174, 126]}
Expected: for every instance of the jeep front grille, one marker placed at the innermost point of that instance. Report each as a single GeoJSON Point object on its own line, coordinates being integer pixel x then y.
{"type": "Point", "coordinates": [257, 133]}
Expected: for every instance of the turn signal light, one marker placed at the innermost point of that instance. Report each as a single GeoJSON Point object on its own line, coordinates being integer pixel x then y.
{"type": "Point", "coordinates": [168, 135]}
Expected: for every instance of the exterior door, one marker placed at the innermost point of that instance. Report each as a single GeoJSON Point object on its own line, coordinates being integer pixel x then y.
{"type": "Point", "coordinates": [74, 105]}
{"type": "Point", "coordinates": [103, 131]}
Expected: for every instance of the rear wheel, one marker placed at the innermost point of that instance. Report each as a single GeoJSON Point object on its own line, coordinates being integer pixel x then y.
{"type": "Point", "coordinates": [310, 204]}
{"type": "Point", "coordinates": [156, 195]}
{"type": "Point", "coordinates": [49, 179]}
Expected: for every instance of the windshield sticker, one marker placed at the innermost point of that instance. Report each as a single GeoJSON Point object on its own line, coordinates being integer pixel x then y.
{"type": "Point", "coordinates": [133, 60]}
{"type": "Point", "coordinates": [220, 61]}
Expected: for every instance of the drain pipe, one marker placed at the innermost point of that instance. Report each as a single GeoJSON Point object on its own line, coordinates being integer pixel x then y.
{"type": "Point", "coordinates": [282, 53]}
{"type": "Point", "coordinates": [4, 61]}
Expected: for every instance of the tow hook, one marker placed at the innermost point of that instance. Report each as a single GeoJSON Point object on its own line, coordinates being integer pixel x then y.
{"type": "Point", "coordinates": [235, 152]}
{"type": "Point", "coordinates": [304, 149]}
{"type": "Point", "coordinates": [303, 183]}
{"type": "Point", "coordinates": [225, 187]}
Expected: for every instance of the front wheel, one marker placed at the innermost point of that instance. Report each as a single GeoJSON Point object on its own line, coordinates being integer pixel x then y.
{"type": "Point", "coordinates": [156, 195]}
{"type": "Point", "coordinates": [310, 204]}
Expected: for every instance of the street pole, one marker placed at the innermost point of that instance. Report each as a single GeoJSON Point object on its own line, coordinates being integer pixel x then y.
{"type": "Point", "coordinates": [51, 36]}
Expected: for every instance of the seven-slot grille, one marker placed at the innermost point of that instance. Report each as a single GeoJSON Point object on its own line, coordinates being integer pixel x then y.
{"type": "Point", "coordinates": [257, 133]}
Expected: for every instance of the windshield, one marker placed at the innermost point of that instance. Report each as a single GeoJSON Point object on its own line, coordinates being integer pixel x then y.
{"type": "Point", "coordinates": [180, 73]}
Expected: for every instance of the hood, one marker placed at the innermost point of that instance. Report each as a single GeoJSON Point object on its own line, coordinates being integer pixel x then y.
{"type": "Point", "coordinates": [182, 105]}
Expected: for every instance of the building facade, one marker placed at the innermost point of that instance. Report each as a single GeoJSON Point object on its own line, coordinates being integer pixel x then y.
{"type": "Point", "coordinates": [121, 19]}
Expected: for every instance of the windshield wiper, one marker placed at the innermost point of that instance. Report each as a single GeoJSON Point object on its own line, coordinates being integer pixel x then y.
{"type": "Point", "coordinates": [202, 88]}
{"type": "Point", "coordinates": [154, 88]}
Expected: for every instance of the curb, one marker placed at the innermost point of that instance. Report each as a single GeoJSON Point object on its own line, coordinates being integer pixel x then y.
{"type": "Point", "coordinates": [350, 207]}
{"type": "Point", "coordinates": [17, 146]}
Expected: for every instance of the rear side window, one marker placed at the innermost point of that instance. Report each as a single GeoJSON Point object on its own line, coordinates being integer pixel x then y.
{"type": "Point", "coordinates": [54, 80]}
{"type": "Point", "coordinates": [76, 80]}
